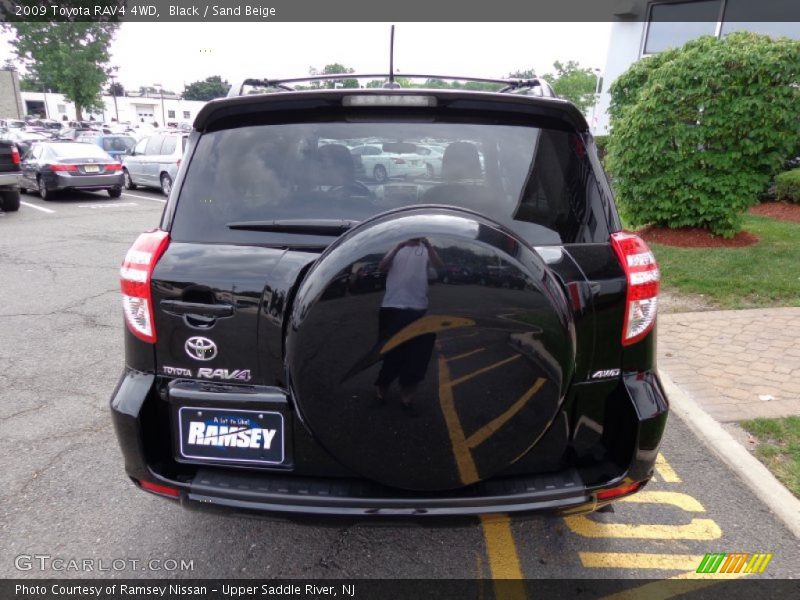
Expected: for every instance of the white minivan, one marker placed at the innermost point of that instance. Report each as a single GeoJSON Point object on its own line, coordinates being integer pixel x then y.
{"type": "Point", "coordinates": [154, 161]}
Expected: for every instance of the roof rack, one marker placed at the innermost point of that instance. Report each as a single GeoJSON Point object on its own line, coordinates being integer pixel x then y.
{"type": "Point", "coordinates": [535, 86]}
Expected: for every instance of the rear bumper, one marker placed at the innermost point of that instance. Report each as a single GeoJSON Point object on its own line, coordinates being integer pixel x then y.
{"type": "Point", "coordinates": [85, 182]}
{"type": "Point", "coordinates": [10, 179]}
{"type": "Point", "coordinates": [570, 490]}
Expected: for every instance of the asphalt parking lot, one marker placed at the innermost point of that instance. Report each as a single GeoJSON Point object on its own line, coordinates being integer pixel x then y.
{"type": "Point", "coordinates": [64, 493]}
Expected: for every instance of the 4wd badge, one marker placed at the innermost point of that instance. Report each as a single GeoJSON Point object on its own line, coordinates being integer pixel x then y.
{"type": "Point", "coordinates": [200, 348]}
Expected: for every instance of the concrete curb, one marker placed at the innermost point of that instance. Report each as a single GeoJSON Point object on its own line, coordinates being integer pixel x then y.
{"type": "Point", "coordinates": [757, 477]}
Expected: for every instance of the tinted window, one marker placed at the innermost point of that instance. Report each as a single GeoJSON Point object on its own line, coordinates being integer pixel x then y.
{"type": "Point", "coordinates": [537, 182]}
{"type": "Point", "coordinates": [673, 24]}
{"type": "Point", "coordinates": [154, 145]}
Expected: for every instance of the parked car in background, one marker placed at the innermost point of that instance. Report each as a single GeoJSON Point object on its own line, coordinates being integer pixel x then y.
{"type": "Point", "coordinates": [115, 145]}
{"type": "Point", "coordinates": [9, 177]}
{"type": "Point", "coordinates": [11, 124]}
{"type": "Point", "coordinates": [384, 161]}
{"type": "Point", "coordinates": [23, 138]}
{"type": "Point", "coordinates": [432, 157]}
{"type": "Point", "coordinates": [73, 133]}
{"type": "Point", "coordinates": [154, 161]}
{"type": "Point", "coordinates": [53, 166]}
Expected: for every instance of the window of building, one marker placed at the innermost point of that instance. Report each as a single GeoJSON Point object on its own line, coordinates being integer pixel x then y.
{"type": "Point", "coordinates": [170, 114]}
{"type": "Point", "coordinates": [673, 24]}
{"type": "Point", "coordinates": [62, 109]}
{"type": "Point", "coordinates": [186, 114]}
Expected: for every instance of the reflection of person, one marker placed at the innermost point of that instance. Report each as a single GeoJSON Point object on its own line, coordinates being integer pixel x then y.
{"type": "Point", "coordinates": [405, 301]}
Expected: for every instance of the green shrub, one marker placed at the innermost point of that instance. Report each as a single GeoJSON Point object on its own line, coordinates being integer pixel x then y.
{"type": "Point", "coordinates": [698, 132]}
{"type": "Point", "coordinates": [787, 185]}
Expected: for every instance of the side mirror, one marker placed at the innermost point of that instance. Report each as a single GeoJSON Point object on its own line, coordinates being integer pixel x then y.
{"type": "Point", "coordinates": [130, 152]}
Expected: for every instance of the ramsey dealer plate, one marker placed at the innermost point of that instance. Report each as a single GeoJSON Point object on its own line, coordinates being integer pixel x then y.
{"type": "Point", "coordinates": [234, 436]}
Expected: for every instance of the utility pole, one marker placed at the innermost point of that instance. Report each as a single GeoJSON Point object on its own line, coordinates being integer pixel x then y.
{"type": "Point", "coordinates": [113, 75]}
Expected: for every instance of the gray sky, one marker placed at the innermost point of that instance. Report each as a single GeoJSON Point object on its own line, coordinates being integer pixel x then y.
{"type": "Point", "coordinates": [176, 53]}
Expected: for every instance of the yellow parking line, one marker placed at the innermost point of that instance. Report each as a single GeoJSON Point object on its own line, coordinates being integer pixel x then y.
{"type": "Point", "coordinates": [637, 560]}
{"type": "Point", "coordinates": [488, 430]}
{"type": "Point", "coordinates": [681, 500]}
{"type": "Point", "coordinates": [469, 376]}
{"type": "Point", "coordinates": [697, 529]}
{"type": "Point", "coordinates": [665, 470]}
{"type": "Point", "coordinates": [503, 557]}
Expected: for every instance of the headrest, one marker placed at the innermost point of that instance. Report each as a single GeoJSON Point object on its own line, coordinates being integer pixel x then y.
{"type": "Point", "coordinates": [335, 165]}
{"type": "Point", "coordinates": [461, 161]}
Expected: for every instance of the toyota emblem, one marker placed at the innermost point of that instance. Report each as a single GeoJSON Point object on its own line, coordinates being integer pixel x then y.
{"type": "Point", "coordinates": [200, 348]}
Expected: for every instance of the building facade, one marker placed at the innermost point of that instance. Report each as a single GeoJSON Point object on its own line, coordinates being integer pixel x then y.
{"type": "Point", "coordinates": [646, 27]}
{"type": "Point", "coordinates": [11, 106]}
{"type": "Point", "coordinates": [124, 109]}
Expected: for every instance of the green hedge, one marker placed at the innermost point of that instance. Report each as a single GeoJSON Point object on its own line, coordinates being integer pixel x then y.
{"type": "Point", "coordinates": [787, 185]}
{"type": "Point", "coordinates": [698, 132]}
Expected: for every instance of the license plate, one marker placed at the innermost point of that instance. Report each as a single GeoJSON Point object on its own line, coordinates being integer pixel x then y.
{"type": "Point", "coordinates": [91, 168]}
{"type": "Point", "coordinates": [234, 436]}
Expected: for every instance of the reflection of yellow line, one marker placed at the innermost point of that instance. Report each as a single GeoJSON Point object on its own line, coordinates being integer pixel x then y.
{"type": "Point", "coordinates": [503, 559]}
{"type": "Point", "coordinates": [635, 560]}
{"type": "Point", "coordinates": [469, 376]}
{"type": "Point", "coordinates": [467, 470]}
{"type": "Point", "coordinates": [465, 355]}
{"type": "Point", "coordinates": [665, 470]}
{"type": "Point", "coordinates": [487, 430]}
{"type": "Point", "coordinates": [425, 325]}
{"type": "Point", "coordinates": [698, 529]}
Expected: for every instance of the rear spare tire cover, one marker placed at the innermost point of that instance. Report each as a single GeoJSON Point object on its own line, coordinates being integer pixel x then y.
{"type": "Point", "coordinates": [483, 361]}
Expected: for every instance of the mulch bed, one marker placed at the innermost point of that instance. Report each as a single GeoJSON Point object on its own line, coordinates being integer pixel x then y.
{"type": "Point", "coordinates": [695, 238]}
{"type": "Point", "coordinates": [782, 211]}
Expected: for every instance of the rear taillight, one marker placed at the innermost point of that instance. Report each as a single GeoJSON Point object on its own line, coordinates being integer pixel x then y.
{"type": "Point", "coordinates": [622, 490]}
{"type": "Point", "coordinates": [113, 167]}
{"type": "Point", "coordinates": [137, 300]}
{"type": "Point", "coordinates": [70, 168]}
{"type": "Point", "coordinates": [158, 489]}
{"type": "Point", "coordinates": [14, 155]}
{"type": "Point", "coordinates": [643, 277]}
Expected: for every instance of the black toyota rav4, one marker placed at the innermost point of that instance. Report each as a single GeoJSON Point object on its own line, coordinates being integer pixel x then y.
{"type": "Point", "coordinates": [293, 347]}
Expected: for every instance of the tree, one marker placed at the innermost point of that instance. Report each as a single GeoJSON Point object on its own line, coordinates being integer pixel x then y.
{"type": "Point", "coordinates": [116, 89]}
{"type": "Point", "coordinates": [698, 132]}
{"type": "Point", "coordinates": [333, 69]}
{"type": "Point", "coordinates": [569, 81]}
{"type": "Point", "coordinates": [69, 56]}
{"type": "Point", "coordinates": [575, 84]}
{"type": "Point", "coordinates": [207, 89]}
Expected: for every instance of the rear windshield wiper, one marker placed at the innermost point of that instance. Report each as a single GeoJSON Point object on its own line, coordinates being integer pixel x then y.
{"type": "Point", "coordinates": [300, 226]}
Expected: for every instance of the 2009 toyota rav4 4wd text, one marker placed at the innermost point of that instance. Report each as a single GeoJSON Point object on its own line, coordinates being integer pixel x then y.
{"type": "Point", "coordinates": [293, 347]}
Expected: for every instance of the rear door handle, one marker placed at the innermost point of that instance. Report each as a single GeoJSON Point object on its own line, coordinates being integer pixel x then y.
{"type": "Point", "coordinates": [180, 308]}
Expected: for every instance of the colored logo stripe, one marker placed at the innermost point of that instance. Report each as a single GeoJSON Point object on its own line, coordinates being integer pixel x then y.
{"type": "Point", "coordinates": [734, 563]}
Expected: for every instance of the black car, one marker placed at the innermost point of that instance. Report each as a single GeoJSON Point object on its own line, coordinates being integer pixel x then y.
{"type": "Point", "coordinates": [254, 380]}
{"type": "Point", "coordinates": [50, 167]}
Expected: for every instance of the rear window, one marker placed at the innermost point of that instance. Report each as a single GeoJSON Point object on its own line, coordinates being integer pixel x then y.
{"type": "Point", "coordinates": [118, 143]}
{"type": "Point", "coordinates": [538, 182]}
{"type": "Point", "coordinates": [78, 150]}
